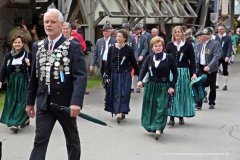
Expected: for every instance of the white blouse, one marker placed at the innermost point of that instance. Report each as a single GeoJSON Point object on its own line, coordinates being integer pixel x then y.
{"type": "Point", "coordinates": [156, 63]}
{"type": "Point", "coordinates": [18, 61]}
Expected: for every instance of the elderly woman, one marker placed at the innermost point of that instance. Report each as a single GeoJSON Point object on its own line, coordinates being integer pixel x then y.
{"type": "Point", "coordinates": [66, 30]}
{"type": "Point", "coordinates": [16, 67]}
{"type": "Point", "coordinates": [183, 53]}
{"type": "Point", "coordinates": [118, 76]}
{"type": "Point", "coordinates": [158, 88]}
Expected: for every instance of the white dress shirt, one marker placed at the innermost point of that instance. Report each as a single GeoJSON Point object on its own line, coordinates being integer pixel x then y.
{"type": "Point", "coordinates": [106, 48]}
{"type": "Point", "coordinates": [53, 44]}
{"type": "Point", "coordinates": [202, 54]}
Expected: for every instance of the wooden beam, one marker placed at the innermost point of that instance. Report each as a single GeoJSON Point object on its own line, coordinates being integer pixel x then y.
{"type": "Point", "coordinates": [199, 4]}
{"type": "Point", "coordinates": [121, 7]}
{"type": "Point", "coordinates": [83, 11]}
{"type": "Point", "coordinates": [44, 7]}
{"type": "Point", "coordinates": [95, 23]}
{"type": "Point", "coordinates": [66, 9]}
{"type": "Point", "coordinates": [74, 14]}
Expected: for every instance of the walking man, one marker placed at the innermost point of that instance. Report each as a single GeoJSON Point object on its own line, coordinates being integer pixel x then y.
{"type": "Point", "coordinates": [207, 54]}
{"type": "Point", "coordinates": [58, 76]}
{"type": "Point", "coordinates": [226, 43]}
{"type": "Point", "coordinates": [101, 49]}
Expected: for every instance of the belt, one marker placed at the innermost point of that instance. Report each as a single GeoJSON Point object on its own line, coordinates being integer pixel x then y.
{"type": "Point", "coordinates": [159, 79]}
{"type": "Point", "coordinates": [16, 68]}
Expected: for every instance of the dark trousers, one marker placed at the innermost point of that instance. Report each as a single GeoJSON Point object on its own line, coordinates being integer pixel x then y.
{"type": "Point", "coordinates": [45, 121]}
{"type": "Point", "coordinates": [211, 81]}
{"type": "Point", "coordinates": [224, 66]}
{"type": "Point", "coordinates": [103, 67]}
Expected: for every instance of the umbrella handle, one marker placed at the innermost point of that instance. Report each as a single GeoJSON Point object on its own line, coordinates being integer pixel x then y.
{"type": "Point", "coordinates": [56, 106]}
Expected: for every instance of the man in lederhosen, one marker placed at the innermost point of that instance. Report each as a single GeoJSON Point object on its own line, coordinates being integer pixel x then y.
{"type": "Point", "coordinates": [207, 54]}
{"type": "Point", "coordinates": [58, 76]}
{"type": "Point", "coordinates": [226, 43]}
{"type": "Point", "coordinates": [142, 46]}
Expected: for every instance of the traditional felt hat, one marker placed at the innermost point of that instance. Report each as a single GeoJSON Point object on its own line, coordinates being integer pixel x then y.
{"type": "Point", "coordinates": [125, 25]}
{"type": "Point", "coordinates": [137, 27]}
{"type": "Point", "coordinates": [106, 26]}
{"type": "Point", "coordinates": [205, 31]}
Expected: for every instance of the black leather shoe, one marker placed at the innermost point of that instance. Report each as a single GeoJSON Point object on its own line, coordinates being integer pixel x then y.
{"type": "Point", "coordinates": [205, 100]}
{"type": "Point", "coordinates": [86, 93]}
{"type": "Point", "coordinates": [217, 87]}
{"type": "Point", "coordinates": [198, 107]}
{"type": "Point", "coordinates": [138, 90]}
{"type": "Point", "coordinates": [123, 116]}
{"type": "Point", "coordinates": [14, 129]}
{"type": "Point", "coordinates": [181, 121]}
{"type": "Point", "coordinates": [132, 90]}
{"type": "Point", "coordinates": [157, 136]}
{"type": "Point", "coordinates": [119, 119]}
{"type": "Point", "coordinates": [225, 88]}
{"type": "Point", "coordinates": [171, 123]}
{"type": "Point", "coordinates": [211, 106]}
{"type": "Point", "coordinates": [27, 122]}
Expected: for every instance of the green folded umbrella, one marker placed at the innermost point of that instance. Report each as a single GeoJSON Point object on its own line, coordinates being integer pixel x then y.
{"type": "Point", "coordinates": [82, 115]}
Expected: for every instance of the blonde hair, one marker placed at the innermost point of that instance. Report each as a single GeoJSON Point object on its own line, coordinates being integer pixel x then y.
{"type": "Point", "coordinates": [67, 24]}
{"type": "Point", "coordinates": [174, 30]}
{"type": "Point", "coordinates": [156, 40]}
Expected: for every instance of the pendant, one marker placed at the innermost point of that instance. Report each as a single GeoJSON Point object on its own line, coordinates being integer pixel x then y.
{"type": "Point", "coordinates": [66, 69]}
{"type": "Point", "coordinates": [57, 64]}
{"type": "Point", "coordinates": [64, 52]}
{"type": "Point", "coordinates": [67, 43]}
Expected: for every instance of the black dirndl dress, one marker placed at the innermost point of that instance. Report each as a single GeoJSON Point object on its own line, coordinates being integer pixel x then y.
{"type": "Point", "coordinates": [118, 93]}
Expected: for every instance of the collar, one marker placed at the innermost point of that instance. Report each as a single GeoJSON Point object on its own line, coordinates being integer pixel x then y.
{"type": "Point", "coordinates": [181, 43]}
{"type": "Point", "coordinates": [206, 42]}
{"type": "Point", "coordinates": [55, 40]}
{"type": "Point", "coordinates": [117, 47]}
{"type": "Point", "coordinates": [143, 32]}
{"type": "Point", "coordinates": [136, 35]}
{"type": "Point", "coordinates": [222, 35]}
{"type": "Point", "coordinates": [107, 39]}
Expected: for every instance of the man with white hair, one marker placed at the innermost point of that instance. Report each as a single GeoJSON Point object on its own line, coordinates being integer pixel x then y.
{"type": "Point", "coordinates": [58, 76]}
{"type": "Point", "coordinates": [207, 55]}
{"type": "Point", "coordinates": [154, 32]}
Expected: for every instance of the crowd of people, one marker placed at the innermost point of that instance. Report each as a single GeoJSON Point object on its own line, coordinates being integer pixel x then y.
{"type": "Point", "coordinates": [53, 70]}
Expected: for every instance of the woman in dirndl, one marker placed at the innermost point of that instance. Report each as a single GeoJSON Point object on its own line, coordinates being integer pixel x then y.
{"type": "Point", "coordinates": [118, 76]}
{"type": "Point", "coordinates": [182, 51]}
{"type": "Point", "coordinates": [16, 67]}
{"type": "Point", "coordinates": [158, 88]}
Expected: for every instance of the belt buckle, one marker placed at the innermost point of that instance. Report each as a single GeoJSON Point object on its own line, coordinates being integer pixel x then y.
{"type": "Point", "coordinates": [164, 78]}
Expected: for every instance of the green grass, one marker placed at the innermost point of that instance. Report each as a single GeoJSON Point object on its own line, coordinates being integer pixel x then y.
{"type": "Point", "coordinates": [92, 82]}
{"type": "Point", "coordinates": [2, 98]}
